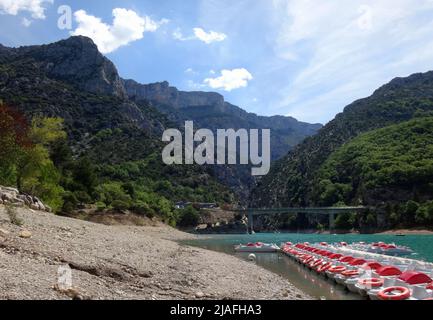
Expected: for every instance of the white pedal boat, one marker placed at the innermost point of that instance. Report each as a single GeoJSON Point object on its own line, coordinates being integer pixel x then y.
{"type": "Point", "coordinates": [390, 249]}
{"type": "Point", "coordinates": [257, 247]}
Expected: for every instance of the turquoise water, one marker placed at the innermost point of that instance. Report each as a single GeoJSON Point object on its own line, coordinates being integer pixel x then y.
{"type": "Point", "coordinates": [422, 245]}
{"type": "Point", "coordinates": [309, 282]}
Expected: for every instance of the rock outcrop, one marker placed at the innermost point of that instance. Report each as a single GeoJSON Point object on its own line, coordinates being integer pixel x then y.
{"type": "Point", "coordinates": [210, 110]}
{"type": "Point", "coordinates": [13, 197]}
{"type": "Point", "coordinates": [162, 93]}
{"type": "Point", "coordinates": [75, 60]}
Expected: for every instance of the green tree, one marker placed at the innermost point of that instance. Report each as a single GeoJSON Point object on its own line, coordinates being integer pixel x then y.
{"type": "Point", "coordinates": [14, 137]}
{"type": "Point", "coordinates": [188, 217]}
{"type": "Point", "coordinates": [345, 221]}
{"type": "Point", "coordinates": [84, 174]}
{"type": "Point", "coordinates": [24, 157]}
{"type": "Point", "coordinates": [34, 161]}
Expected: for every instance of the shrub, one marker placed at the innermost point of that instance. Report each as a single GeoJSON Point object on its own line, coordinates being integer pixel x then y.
{"type": "Point", "coordinates": [144, 209]}
{"type": "Point", "coordinates": [345, 221]}
{"type": "Point", "coordinates": [100, 206]}
{"type": "Point", "coordinates": [111, 192]}
{"type": "Point", "coordinates": [70, 202]}
{"type": "Point", "coordinates": [188, 217]}
{"type": "Point", "coordinates": [120, 205]}
{"type": "Point", "coordinates": [82, 197]}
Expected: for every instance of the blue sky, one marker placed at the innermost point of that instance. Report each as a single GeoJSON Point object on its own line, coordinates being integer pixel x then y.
{"type": "Point", "coordinates": [302, 58]}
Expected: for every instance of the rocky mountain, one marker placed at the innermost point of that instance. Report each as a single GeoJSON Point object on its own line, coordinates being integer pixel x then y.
{"type": "Point", "coordinates": [292, 179]}
{"type": "Point", "coordinates": [71, 79]}
{"type": "Point", "coordinates": [118, 139]}
{"type": "Point", "coordinates": [162, 94]}
{"type": "Point", "coordinates": [76, 61]}
{"type": "Point", "coordinates": [210, 110]}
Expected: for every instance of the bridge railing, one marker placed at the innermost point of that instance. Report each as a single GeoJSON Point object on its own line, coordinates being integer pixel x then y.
{"type": "Point", "coordinates": [331, 211]}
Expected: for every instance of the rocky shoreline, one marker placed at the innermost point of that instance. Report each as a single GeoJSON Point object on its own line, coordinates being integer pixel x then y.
{"type": "Point", "coordinates": [121, 262]}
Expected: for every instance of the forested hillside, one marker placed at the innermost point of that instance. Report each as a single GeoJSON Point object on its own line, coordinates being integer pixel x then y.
{"type": "Point", "coordinates": [390, 169]}
{"type": "Point", "coordinates": [107, 151]}
{"type": "Point", "coordinates": [291, 180]}
{"type": "Point", "coordinates": [352, 161]}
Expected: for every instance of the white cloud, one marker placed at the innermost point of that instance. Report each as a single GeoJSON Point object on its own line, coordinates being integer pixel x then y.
{"type": "Point", "coordinates": [191, 71]}
{"type": "Point", "coordinates": [342, 59]}
{"type": "Point", "coordinates": [200, 34]}
{"type": "Point", "coordinates": [209, 37]}
{"type": "Point", "coordinates": [34, 7]}
{"type": "Point", "coordinates": [177, 35]}
{"type": "Point", "coordinates": [26, 22]}
{"type": "Point", "coordinates": [127, 27]}
{"type": "Point", "coordinates": [230, 79]}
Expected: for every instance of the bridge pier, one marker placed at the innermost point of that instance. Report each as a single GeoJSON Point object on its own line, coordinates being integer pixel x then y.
{"type": "Point", "coordinates": [250, 222]}
{"type": "Point", "coordinates": [331, 222]}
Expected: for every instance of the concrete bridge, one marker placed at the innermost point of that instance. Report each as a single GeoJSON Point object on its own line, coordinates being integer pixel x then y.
{"type": "Point", "coordinates": [330, 211]}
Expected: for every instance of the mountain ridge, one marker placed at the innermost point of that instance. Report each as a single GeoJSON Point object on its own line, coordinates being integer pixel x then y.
{"type": "Point", "coordinates": [71, 79]}
{"type": "Point", "coordinates": [290, 179]}
{"type": "Point", "coordinates": [189, 105]}
{"type": "Point", "coordinates": [88, 59]}
{"type": "Point", "coordinates": [163, 93]}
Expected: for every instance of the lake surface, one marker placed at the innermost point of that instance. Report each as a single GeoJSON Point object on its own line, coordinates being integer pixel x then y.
{"type": "Point", "coordinates": [317, 286]}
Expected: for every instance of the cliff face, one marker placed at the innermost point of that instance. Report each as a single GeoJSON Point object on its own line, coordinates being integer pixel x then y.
{"type": "Point", "coordinates": [76, 61]}
{"type": "Point", "coordinates": [163, 94]}
{"type": "Point", "coordinates": [210, 110]}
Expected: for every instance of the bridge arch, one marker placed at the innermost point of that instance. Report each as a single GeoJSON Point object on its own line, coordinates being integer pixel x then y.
{"type": "Point", "coordinates": [330, 211]}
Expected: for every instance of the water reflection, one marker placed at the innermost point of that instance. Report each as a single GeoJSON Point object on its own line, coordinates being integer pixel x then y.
{"type": "Point", "coordinates": [316, 286]}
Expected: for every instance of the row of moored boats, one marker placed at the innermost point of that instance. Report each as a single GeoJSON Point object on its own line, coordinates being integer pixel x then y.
{"type": "Point", "coordinates": [374, 271]}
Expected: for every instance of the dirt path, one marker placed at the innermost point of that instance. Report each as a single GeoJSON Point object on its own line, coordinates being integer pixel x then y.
{"type": "Point", "coordinates": [122, 262]}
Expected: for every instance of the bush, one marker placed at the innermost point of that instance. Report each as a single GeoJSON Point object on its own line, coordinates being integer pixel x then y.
{"type": "Point", "coordinates": [82, 197]}
{"type": "Point", "coordinates": [345, 221]}
{"type": "Point", "coordinates": [424, 214]}
{"type": "Point", "coordinates": [371, 220]}
{"type": "Point", "coordinates": [100, 206]}
{"type": "Point", "coordinates": [112, 192]}
{"type": "Point", "coordinates": [120, 205]}
{"type": "Point", "coordinates": [70, 202]}
{"type": "Point", "coordinates": [143, 209]}
{"type": "Point", "coordinates": [410, 211]}
{"type": "Point", "coordinates": [188, 217]}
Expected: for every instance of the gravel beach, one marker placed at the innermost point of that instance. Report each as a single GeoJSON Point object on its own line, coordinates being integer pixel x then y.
{"type": "Point", "coordinates": [121, 262]}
